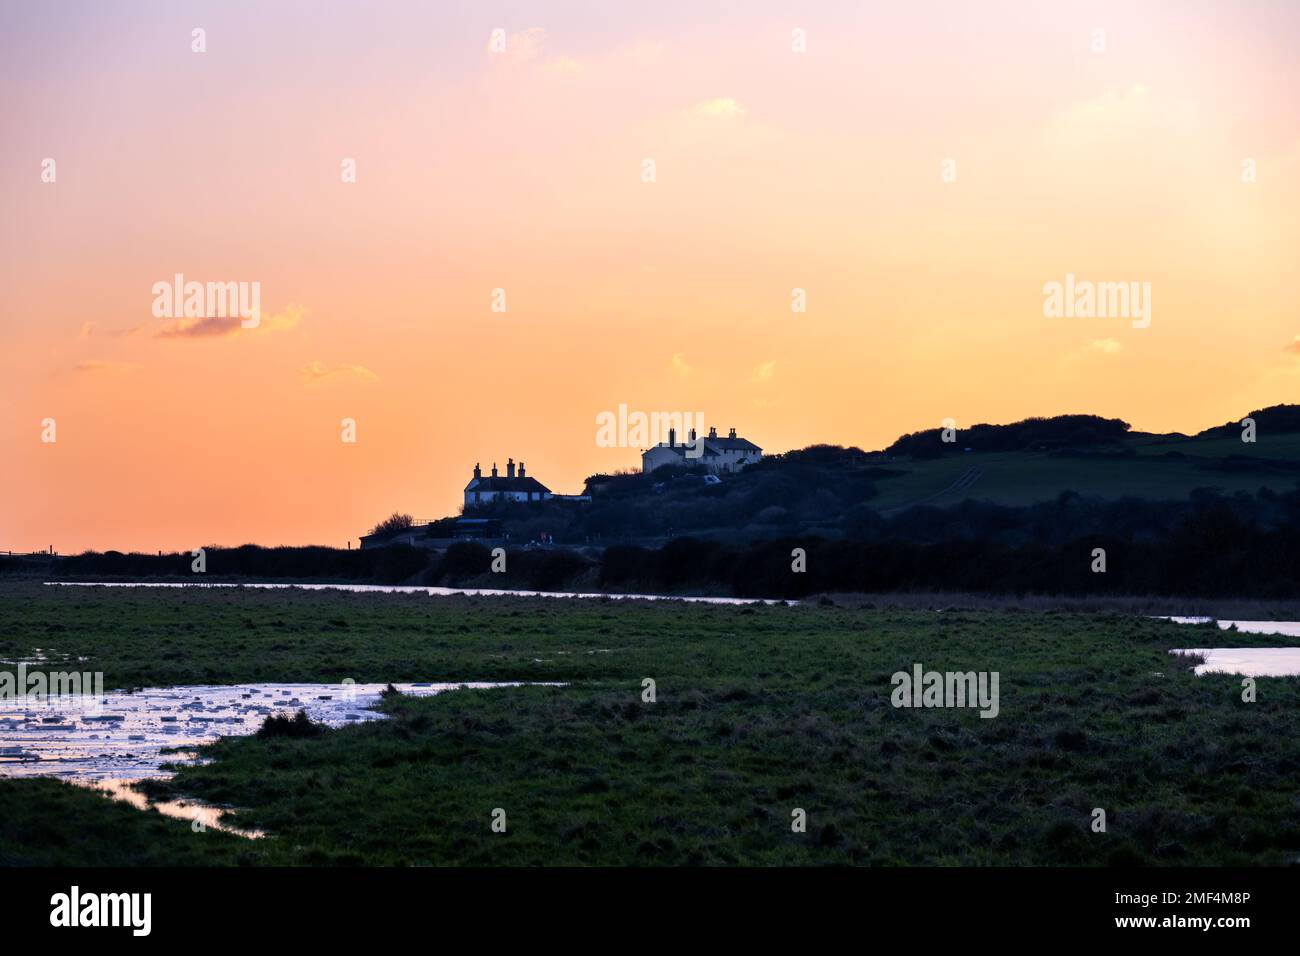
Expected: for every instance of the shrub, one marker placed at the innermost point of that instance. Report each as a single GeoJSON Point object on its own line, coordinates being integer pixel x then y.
{"type": "Point", "coordinates": [393, 523]}
{"type": "Point", "coordinates": [298, 726]}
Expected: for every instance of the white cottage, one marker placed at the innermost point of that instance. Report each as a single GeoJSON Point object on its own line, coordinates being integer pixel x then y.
{"type": "Point", "coordinates": [482, 490]}
{"type": "Point", "coordinates": [729, 454]}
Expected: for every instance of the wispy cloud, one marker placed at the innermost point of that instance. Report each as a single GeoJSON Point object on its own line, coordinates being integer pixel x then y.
{"type": "Point", "coordinates": [285, 321]}
{"type": "Point", "coordinates": [217, 326]}
{"type": "Point", "coordinates": [317, 372]}
{"type": "Point", "coordinates": [1294, 346]}
{"type": "Point", "coordinates": [92, 330]}
{"type": "Point", "coordinates": [107, 366]}
{"type": "Point", "coordinates": [765, 371]}
{"type": "Point", "coordinates": [680, 366]}
{"type": "Point", "coordinates": [207, 328]}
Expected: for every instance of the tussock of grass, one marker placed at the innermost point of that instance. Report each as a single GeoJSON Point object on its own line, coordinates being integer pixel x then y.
{"type": "Point", "coordinates": [298, 726]}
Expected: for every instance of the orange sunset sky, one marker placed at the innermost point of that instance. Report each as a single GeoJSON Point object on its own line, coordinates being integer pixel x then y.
{"type": "Point", "coordinates": [522, 170]}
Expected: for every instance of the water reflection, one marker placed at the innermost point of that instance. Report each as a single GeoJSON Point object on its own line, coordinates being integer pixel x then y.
{"type": "Point", "coordinates": [1246, 661]}
{"type": "Point", "coordinates": [1284, 628]}
{"type": "Point", "coordinates": [431, 591]}
{"type": "Point", "coordinates": [124, 736]}
{"type": "Point", "coordinates": [203, 814]}
{"type": "Point", "coordinates": [109, 743]}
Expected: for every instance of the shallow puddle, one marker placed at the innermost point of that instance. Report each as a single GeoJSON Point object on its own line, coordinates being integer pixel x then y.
{"type": "Point", "coordinates": [1246, 661]}
{"type": "Point", "coordinates": [1284, 628]}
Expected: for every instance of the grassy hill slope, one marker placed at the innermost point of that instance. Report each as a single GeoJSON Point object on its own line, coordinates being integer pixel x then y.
{"type": "Point", "coordinates": [1155, 467]}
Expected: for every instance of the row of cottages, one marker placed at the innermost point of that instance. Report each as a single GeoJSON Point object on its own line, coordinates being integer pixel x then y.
{"type": "Point", "coordinates": [481, 491]}
{"type": "Point", "coordinates": [729, 454]}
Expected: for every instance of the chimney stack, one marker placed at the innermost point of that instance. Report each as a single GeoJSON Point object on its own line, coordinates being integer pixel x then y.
{"type": "Point", "coordinates": [521, 469]}
{"type": "Point", "coordinates": [510, 467]}
{"type": "Point", "coordinates": [672, 437]}
{"type": "Point", "coordinates": [713, 431]}
{"type": "Point", "coordinates": [494, 469]}
{"type": "Point", "coordinates": [692, 436]}
{"type": "Point", "coordinates": [478, 472]}
{"type": "Point", "coordinates": [733, 434]}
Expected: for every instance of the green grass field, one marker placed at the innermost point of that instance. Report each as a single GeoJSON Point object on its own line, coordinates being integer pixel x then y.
{"type": "Point", "coordinates": [1022, 478]}
{"type": "Point", "coordinates": [760, 710]}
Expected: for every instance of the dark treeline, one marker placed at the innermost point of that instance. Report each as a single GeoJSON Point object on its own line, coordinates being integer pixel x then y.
{"type": "Point", "coordinates": [378, 565]}
{"type": "Point", "coordinates": [1238, 562]}
{"type": "Point", "coordinates": [1208, 546]}
{"type": "Point", "coordinates": [397, 564]}
{"type": "Point", "coordinates": [1238, 546]}
{"type": "Point", "coordinates": [1067, 517]}
{"type": "Point", "coordinates": [1243, 546]}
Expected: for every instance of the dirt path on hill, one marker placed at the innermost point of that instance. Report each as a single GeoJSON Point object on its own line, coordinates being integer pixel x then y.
{"type": "Point", "coordinates": [963, 482]}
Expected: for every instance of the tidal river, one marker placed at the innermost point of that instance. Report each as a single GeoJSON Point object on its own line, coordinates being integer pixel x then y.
{"type": "Point", "coordinates": [431, 591]}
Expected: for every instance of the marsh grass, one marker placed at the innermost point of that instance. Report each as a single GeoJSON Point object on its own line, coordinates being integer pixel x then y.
{"type": "Point", "coordinates": [760, 710]}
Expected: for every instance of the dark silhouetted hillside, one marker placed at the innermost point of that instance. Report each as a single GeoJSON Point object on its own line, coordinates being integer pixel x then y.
{"type": "Point", "coordinates": [1276, 419]}
{"type": "Point", "coordinates": [1032, 434]}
